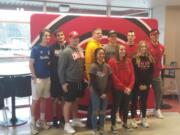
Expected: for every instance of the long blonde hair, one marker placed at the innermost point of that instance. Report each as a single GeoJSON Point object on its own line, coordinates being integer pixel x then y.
{"type": "Point", "coordinates": [147, 53]}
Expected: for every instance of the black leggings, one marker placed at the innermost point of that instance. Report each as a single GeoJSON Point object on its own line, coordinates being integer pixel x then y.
{"type": "Point", "coordinates": [121, 101]}
{"type": "Point", "coordinates": [143, 95]}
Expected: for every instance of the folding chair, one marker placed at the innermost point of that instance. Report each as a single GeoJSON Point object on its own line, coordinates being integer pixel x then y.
{"type": "Point", "coordinates": [170, 82]}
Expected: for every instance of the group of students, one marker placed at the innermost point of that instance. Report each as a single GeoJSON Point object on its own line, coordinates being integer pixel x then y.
{"type": "Point", "coordinates": [124, 71]}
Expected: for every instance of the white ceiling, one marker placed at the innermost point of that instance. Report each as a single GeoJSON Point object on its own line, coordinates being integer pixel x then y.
{"type": "Point", "coordinates": [124, 3]}
{"type": "Point", "coordinates": [119, 7]}
{"type": "Point", "coordinates": [119, 3]}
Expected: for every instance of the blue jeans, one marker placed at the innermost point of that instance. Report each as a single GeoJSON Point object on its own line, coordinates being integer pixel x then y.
{"type": "Point", "coordinates": [98, 109]}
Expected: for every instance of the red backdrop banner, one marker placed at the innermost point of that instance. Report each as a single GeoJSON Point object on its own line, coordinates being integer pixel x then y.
{"type": "Point", "coordinates": [84, 26]}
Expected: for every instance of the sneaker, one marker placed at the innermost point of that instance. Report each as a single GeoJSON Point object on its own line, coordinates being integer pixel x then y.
{"type": "Point", "coordinates": [101, 131]}
{"type": "Point", "coordinates": [94, 132]}
{"type": "Point", "coordinates": [158, 114]}
{"type": "Point", "coordinates": [134, 123]}
{"type": "Point", "coordinates": [125, 126]}
{"type": "Point", "coordinates": [62, 121]}
{"type": "Point", "coordinates": [55, 123]}
{"type": "Point", "coordinates": [34, 129]}
{"type": "Point", "coordinates": [77, 123]}
{"type": "Point", "coordinates": [114, 129]}
{"type": "Point", "coordinates": [69, 129]}
{"type": "Point", "coordinates": [42, 124]}
{"type": "Point", "coordinates": [145, 123]}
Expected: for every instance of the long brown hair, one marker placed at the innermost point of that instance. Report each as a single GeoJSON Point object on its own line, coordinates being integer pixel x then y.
{"type": "Point", "coordinates": [147, 53]}
{"type": "Point", "coordinates": [117, 54]}
{"type": "Point", "coordinates": [96, 52]}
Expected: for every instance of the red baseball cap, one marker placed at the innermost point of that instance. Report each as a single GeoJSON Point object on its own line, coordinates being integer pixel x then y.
{"type": "Point", "coordinates": [73, 34]}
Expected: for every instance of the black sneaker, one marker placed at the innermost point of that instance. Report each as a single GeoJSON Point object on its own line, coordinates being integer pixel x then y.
{"type": "Point", "coordinates": [125, 126]}
{"type": "Point", "coordinates": [55, 123]}
{"type": "Point", "coordinates": [62, 121]}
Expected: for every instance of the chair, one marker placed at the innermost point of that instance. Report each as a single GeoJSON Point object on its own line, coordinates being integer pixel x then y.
{"type": "Point", "coordinates": [22, 88]}
{"type": "Point", "coordinates": [5, 92]}
{"type": "Point", "coordinates": [170, 82]}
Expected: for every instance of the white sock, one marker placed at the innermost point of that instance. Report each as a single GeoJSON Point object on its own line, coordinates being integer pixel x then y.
{"type": "Point", "coordinates": [33, 120]}
{"type": "Point", "coordinates": [42, 116]}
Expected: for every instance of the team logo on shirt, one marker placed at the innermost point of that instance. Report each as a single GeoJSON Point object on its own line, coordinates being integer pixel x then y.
{"type": "Point", "coordinates": [43, 55]}
{"type": "Point", "coordinates": [100, 74]}
{"type": "Point", "coordinates": [77, 55]}
{"type": "Point", "coordinates": [144, 65]}
{"type": "Point", "coordinates": [57, 52]}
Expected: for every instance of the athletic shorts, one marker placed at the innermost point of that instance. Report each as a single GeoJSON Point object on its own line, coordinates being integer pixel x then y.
{"type": "Point", "coordinates": [56, 89]}
{"type": "Point", "coordinates": [40, 88]}
{"type": "Point", "coordinates": [74, 91]}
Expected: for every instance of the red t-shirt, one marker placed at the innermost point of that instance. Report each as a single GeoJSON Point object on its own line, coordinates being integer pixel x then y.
{"type": "Point", "coordinates": [131, 50]}
{"type": "Point", "coordinates": [157, 52]}
{"type": "Point", "coordinates": [122, 74]}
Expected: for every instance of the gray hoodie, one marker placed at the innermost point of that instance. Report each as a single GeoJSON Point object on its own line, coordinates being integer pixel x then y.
{"type": "Point", "coordinates": [71, 65]}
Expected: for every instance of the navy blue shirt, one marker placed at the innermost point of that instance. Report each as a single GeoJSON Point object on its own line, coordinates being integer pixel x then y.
{"type": "Point", "coordinates": [41, 56]}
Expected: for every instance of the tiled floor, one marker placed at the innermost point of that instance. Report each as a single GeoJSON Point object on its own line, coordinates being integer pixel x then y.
{"type": "Point", "coordinates": [167, 126]}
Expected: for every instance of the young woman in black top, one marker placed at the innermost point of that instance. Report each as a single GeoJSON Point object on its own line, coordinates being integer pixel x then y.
{"type": "Point", "coordinates": [143, 67]}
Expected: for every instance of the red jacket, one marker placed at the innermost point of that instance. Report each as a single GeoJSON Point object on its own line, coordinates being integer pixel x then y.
{"type": "Point", "coordinates": [122, 74]}
{"type": "Point", "coordinates": [157, 52]}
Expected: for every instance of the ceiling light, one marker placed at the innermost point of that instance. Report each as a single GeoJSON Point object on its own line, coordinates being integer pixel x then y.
{"type": "Point", "coordinates": [64, 8]}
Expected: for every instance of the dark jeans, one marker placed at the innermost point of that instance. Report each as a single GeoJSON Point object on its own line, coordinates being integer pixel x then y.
{"type": "Point", "coordinates": [143, 101]}
{"type": "Point", "coordinates": [121, 101]}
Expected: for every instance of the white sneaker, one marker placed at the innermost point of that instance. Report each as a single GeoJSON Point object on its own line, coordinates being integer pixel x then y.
{"type": "Point", "coordinates": [34, 130]}
{"type": "Point", "coordinates": [114, 129]}
{"type": "Point", "coordinates": [145, 123]}
{"type": "Point", "coordinates": [77, 123]}
{"type": "Point", "coordinates": [158, 114]}
{"type": "Point", "coordinates": [42, 124]}
{"type": "Point", "coordinates": [134, 123]}
{"type": "Point", "coordinates": [69, 129]}
{"type": "Point", "coordinates": [101, 131]}
{"type": "Point", "coordinates": [94, 132]}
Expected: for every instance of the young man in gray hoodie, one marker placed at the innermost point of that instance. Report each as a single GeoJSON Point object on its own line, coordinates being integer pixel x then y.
{"type": "Point", "coordinates": [70, 72]}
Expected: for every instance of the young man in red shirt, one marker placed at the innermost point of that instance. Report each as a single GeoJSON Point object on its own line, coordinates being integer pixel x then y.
{"type": "Point", "coordinates": [157, 51]}
{"type": "Point", "coordinates": [131, 46]}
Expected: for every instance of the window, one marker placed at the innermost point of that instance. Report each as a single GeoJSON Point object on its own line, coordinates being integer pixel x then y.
{"type": "Point", "coordinates": [14, 39]}
{"type": "Point", "coordinates": [15, 33]}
